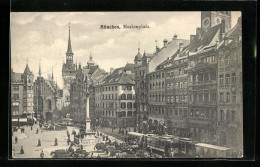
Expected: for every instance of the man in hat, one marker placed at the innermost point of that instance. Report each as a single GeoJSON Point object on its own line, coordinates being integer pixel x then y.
{"type": "Point", "coordinates": [56, 142]}
{"type": "Point", "coordinates": [16, 139]}
{"type": "Point", "coordinates": [42, 154]}
{"type": "Point", "coordinates": [39, 142]}
{"type": "Point", "coordinates": [21, 151]}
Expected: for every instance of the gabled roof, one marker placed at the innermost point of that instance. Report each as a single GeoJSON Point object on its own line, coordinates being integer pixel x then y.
{"type": "Point", "coordinates": [204, 38]}
{"type": "Point", "coordinates": [119, 75]}
{"type": "Point", "coordinates": [166, 52]}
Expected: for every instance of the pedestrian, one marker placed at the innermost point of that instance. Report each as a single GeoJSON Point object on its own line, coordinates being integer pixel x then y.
{"type": "Point", "coordinates": [81, 146]}
{"type": "Point", "coordinates": [129, 130]}
{"type": "Point", "coordinates": [126, 132]}
{"type": "Point", "coordinates": [21, 151]}
{"type": "Point", "coordinates": [91, 155]}
{"type": "Point", "coordinates": [16, 139]}
{"type": "Point", "coordinates": [42, 154]}
{"type": "Point", "coordinates": [56, 142]}
{"type": "Point", "coordinates": [31, 127]}
{"type": "Point", "coordinates": [39, 142]}
{"type": "Point", "coordinates": [13, 152]}
{"type": "Point", "coordinates": [37, 131]}
{"type": "Point", "coordinates": [68, 141]}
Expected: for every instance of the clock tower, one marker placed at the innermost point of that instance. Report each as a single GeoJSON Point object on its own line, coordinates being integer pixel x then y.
{"type": "Point", "coordinates": [212, 18]}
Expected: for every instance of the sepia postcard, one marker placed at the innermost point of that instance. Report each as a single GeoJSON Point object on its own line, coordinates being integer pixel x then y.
{"type": "Point", "coordinates": [126, 85]}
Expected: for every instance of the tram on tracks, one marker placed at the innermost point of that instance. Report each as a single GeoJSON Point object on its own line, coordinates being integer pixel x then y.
{"type": "Point", "coordinates": [180, 147]}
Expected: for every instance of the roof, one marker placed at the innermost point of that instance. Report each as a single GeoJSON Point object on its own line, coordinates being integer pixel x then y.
{"type": "Point", "coordinates": [27, 70]}
{"type": "Point", "coordinates": [205, 38]}
{"type": "Point", "coordinates": [166, 52]}
{"type": "Point", "coordinates": [16, 77]}
{"type": "Point", "coordinates": [212, 146]}
{"type": "Point", "coordinates": [235, 31]}
{"type": "Point", "coordinates": [120, 75]}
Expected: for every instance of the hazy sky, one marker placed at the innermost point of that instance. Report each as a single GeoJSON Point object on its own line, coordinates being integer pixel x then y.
{"type": "Point", "coordinates": [36, 35]}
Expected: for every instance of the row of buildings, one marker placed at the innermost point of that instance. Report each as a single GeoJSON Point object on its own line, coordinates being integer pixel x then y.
{"type": "Point", "coordinates": [196, 91]}
{"type": "Point", "coordinates": [34, 98]}
{"type": "Point", "coordinates": [190, 88]}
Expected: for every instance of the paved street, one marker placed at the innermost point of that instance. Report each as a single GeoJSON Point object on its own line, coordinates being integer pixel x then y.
{"type": "Point", "coordinates": [29, 141]}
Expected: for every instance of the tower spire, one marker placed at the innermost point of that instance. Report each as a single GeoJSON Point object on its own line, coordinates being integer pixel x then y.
{"type": "Point", "coordinates": [69, 50]}
{"type": "Point", "coordinates": [52, 75]}
{"type": "Point", "coordinates": [40, 72]}
{"type": "Point", "coordinates": [138, 46]}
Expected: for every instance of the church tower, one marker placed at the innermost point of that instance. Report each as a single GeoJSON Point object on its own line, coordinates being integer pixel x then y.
{"type": "Point", "coordinates": [212, 18]}
{"type": "Point", "coordinates": [68, 73]}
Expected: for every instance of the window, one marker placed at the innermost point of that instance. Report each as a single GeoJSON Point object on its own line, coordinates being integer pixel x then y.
{"type": "Point", "coordinates": [177, 99]}
{"type": "Point", "coordinates": [213, 58]}
{"type": "Point", "coordinates": [221, 97]}
{"type": "Point", "coordinates": [129, 105]}
{"type": "Point", "coordinates": [227, 97]}
{"type": "Point", "coordinates": [16, 96]}
{"type": "Point", "coordinates": [233, 77]}
{"type": "Point", "coordinates": [227, 78]}
{"type": "Point", "coordinates": [200, 97]}
{"type": "Point", "coordinates": [115, 87]}
{"type": "Point", "coordinates": [228, 116]}
{"type": "Point", "coordinates": [162, 84]}
{"type": "Point", "coordinates": [123, 105]}
{"type": "Point", "coordinates": [15, 103]}
{"type": "Point", "coordinates": [176, 112]}
{"type": "Point", "coordinates": [206, 97]}
{"type": "Point", "coordinates": [208, 59]}
{"type": "Point", "coordinates": [213, 75]}
{"type": "Point", "coordinates": [234, 96]}
{"type": "Point", "coordinates": [213, 97]}
{"type": "Point", "coordinates": [227, 61]}
{"type": "Point", "coordinates": [221, 61]}
{"type": "Point", "coordinates": [186, 98]}
{"type": "Point", "coordinates": [233, 116]}
{"type": "Point", "coordinates": [221, 115]}
{"type": "Point", "coordinates": [123, 97]}
{"type": "Point", "coordinates": [16, 87]}
{"type": "Point", "coordinates": [177, 85]}
{"type": "Point", "coordinates": [185, 113]}
{"type": "Point", "coordinates": [162, 75]}
{"type": "Point", "coordinates": [180, 84]}
{"type": "Point", "coordinates": [221, 79]}
{"type": "Point", "coordinates": [129, 96]}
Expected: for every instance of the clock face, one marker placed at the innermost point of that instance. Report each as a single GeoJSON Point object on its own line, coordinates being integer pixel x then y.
{"type": "Point", "coordinates": [205, 22]}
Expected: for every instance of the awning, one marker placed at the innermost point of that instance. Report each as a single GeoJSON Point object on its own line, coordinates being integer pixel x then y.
{"type": "Point", "coordinates": [15, 120]}
{"type": "Point", "coordinates": [23, 120]}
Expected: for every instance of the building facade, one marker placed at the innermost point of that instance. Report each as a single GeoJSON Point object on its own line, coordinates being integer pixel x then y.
{"type": "Point", "coordinates": [47, 98]}
{"type": "Point", "coordinates": [22, 92]}
{"type": "Point", "coordinates": [176, 89]}
{"type": "Point", "coordinates": [81, 87]}
{"type": "Point", "coordinates": [230, 106]}
{"type": "Point", "coordinates": [115, 98]}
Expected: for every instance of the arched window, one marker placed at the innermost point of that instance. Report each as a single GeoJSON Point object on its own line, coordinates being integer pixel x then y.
{"type": "Point", "coordinates": [123, 96]}
{"type": "Point", "coordinates": [123, 114]}
{"type": "Point", "coordinates": [129, 114]}
{"type": "Point", "coordinates": [123, 105]}
{"type": "Point", "coordinates": [129, 96]}
{"type": "Point", "coordinates": [129, 105]}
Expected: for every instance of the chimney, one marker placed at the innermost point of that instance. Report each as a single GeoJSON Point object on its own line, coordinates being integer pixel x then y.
{"type": "Point", "coordinates": [192, 37]}
{"type": "Point", "coordinates": [174, 37]}
{"type": "Point", "coordinates": [223, 26]}
{"type": "Point", "coordinates": [165, 41]}
{"type": "Point", "coordinates": [198, 30]}
{"type": "Point", "coordinates": [181, 46]}
{"type": "Point", "coordinates": [111, 70]}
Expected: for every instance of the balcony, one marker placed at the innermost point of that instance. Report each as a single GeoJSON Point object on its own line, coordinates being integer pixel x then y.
{"type": "Point", "coordinates": [203, 103]}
